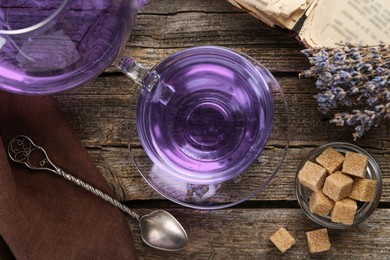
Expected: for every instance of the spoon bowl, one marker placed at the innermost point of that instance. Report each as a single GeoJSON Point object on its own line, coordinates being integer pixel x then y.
{"type": "Point", "coordinates": [160, 230]}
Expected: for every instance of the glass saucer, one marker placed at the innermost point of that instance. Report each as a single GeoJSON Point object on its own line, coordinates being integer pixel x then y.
{"type": "Point", "coordinates": [250, 171]}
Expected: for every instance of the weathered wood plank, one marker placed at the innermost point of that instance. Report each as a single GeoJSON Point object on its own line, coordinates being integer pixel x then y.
{"type": "Point", "coordinates": [163, 7]}
{"type": "Point", "coordinates": [116, 166]}
{"type": "Point", "coordinates": [164, 27]}
{"type": "Point", "coordinates": [206, 28]}
{"type": "Point", "coordinates": [244, 234]}
{"type": "Point", "coordinates": [276, 60]}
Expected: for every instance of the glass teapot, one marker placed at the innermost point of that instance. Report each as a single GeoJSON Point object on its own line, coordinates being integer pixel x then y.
{"type": "Point", "coordinates": [48, 46]}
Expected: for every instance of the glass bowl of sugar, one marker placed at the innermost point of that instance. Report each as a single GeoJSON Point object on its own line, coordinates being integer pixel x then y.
{"type": "Point", "coordinates": [338, 185]}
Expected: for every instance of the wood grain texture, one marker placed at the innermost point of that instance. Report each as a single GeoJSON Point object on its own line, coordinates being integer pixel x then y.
{"type": "Point", "coordinates": [103, 114]}
{"type": "Point", "coordinates": [244, 234]}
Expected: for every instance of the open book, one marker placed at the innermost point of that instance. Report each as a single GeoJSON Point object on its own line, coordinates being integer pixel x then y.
{"type": "Point", "coordinates": [326, 22]}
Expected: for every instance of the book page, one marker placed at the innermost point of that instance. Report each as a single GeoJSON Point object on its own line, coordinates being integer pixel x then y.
{"type": "Point", "coordinates": [354, 21]}
{"type": "Point", "coordinates": [283, 8]}
{"type": "Point", "coordinates": [249, 6]}
{"type": "Point", "coordinates": [284, 13]}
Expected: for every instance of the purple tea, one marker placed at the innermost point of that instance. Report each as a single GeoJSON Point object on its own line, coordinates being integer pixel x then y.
{"type": "Point", "coordinates": [48, 46]}
{"type": "Point", "coordinates": [205, 115]}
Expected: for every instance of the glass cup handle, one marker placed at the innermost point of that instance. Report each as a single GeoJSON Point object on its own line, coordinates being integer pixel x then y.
{"type": "Point", "coordinates": [133, 70]}
{"type": "Point", "coordinates": [149, 80]}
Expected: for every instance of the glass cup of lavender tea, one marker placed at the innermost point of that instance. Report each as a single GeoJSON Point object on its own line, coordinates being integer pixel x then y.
{"type": "Point", "coordinates": [48, 46]}
{"type": "Point", "coordinates": [213, 124]}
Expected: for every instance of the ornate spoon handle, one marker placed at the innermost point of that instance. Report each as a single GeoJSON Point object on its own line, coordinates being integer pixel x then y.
{"type": "Point", "coordinates": [20, 150]}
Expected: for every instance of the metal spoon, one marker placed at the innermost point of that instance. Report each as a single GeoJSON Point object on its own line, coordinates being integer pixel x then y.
{"type": "Point", "coordinates": [159, 229]}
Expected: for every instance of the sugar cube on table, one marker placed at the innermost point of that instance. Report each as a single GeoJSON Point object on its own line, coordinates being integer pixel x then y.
{"type": "Point", "coordinates": [337, 186]}
{"type": "Point", "coordinates": [320, 204]}
{"type": "Point", "coordinates": [282, 239]}
{"type": "Point", "coordinates": [344, 211]}
{"type": "Point", "coordinates": [363, 190]}
{"type": "Point", "coordinates": [355, 164]}
{"type": "Point", "coordinates": [318, 240]}
{"type": "Point", "coordinates": [312, 176]}
{"type": "Point", "coordinates": [331, 160]}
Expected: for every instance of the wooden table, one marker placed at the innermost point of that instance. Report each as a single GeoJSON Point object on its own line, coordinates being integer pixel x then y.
{"type": "Point", "coordinates": [100, 110]}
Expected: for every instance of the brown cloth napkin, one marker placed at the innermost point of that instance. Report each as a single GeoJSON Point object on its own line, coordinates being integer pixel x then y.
{"type": "Point", "coordinates": [42, 215]}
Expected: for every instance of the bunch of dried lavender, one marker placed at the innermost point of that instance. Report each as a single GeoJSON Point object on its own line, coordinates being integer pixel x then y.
{"type": "Point", "coordinates": [356, 78]}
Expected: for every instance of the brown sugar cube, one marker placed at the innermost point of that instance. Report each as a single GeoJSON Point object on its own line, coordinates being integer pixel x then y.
{"type": "Point", "coordinates": [318, 240]}
{"type": "Point", "coordinates": [331, 160]}
{"type": "Point", "coordinates": [355, 164]}
{"type": "Point", "coordinates": [312, 176]}
{"type": "Point", "coordinates": [282, 239]}
{"type": "Point", "coordinates": [363, 190]}
{"type": "Point", "coordinates": [337, 186]}
{"type": "Point", "coordinates": [320, 204]}
{"type": "Point", "coordinates": [344, 211]}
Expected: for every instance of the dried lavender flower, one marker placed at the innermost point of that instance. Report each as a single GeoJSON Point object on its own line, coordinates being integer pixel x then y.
{"type": "Point", "coordinates": [355, 78]}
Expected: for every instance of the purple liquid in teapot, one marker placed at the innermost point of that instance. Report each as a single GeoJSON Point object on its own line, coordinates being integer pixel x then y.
{"type": "Point", "coordinates": [48, 46]}
{"type": "Point", "coordinates": [217, 119]}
